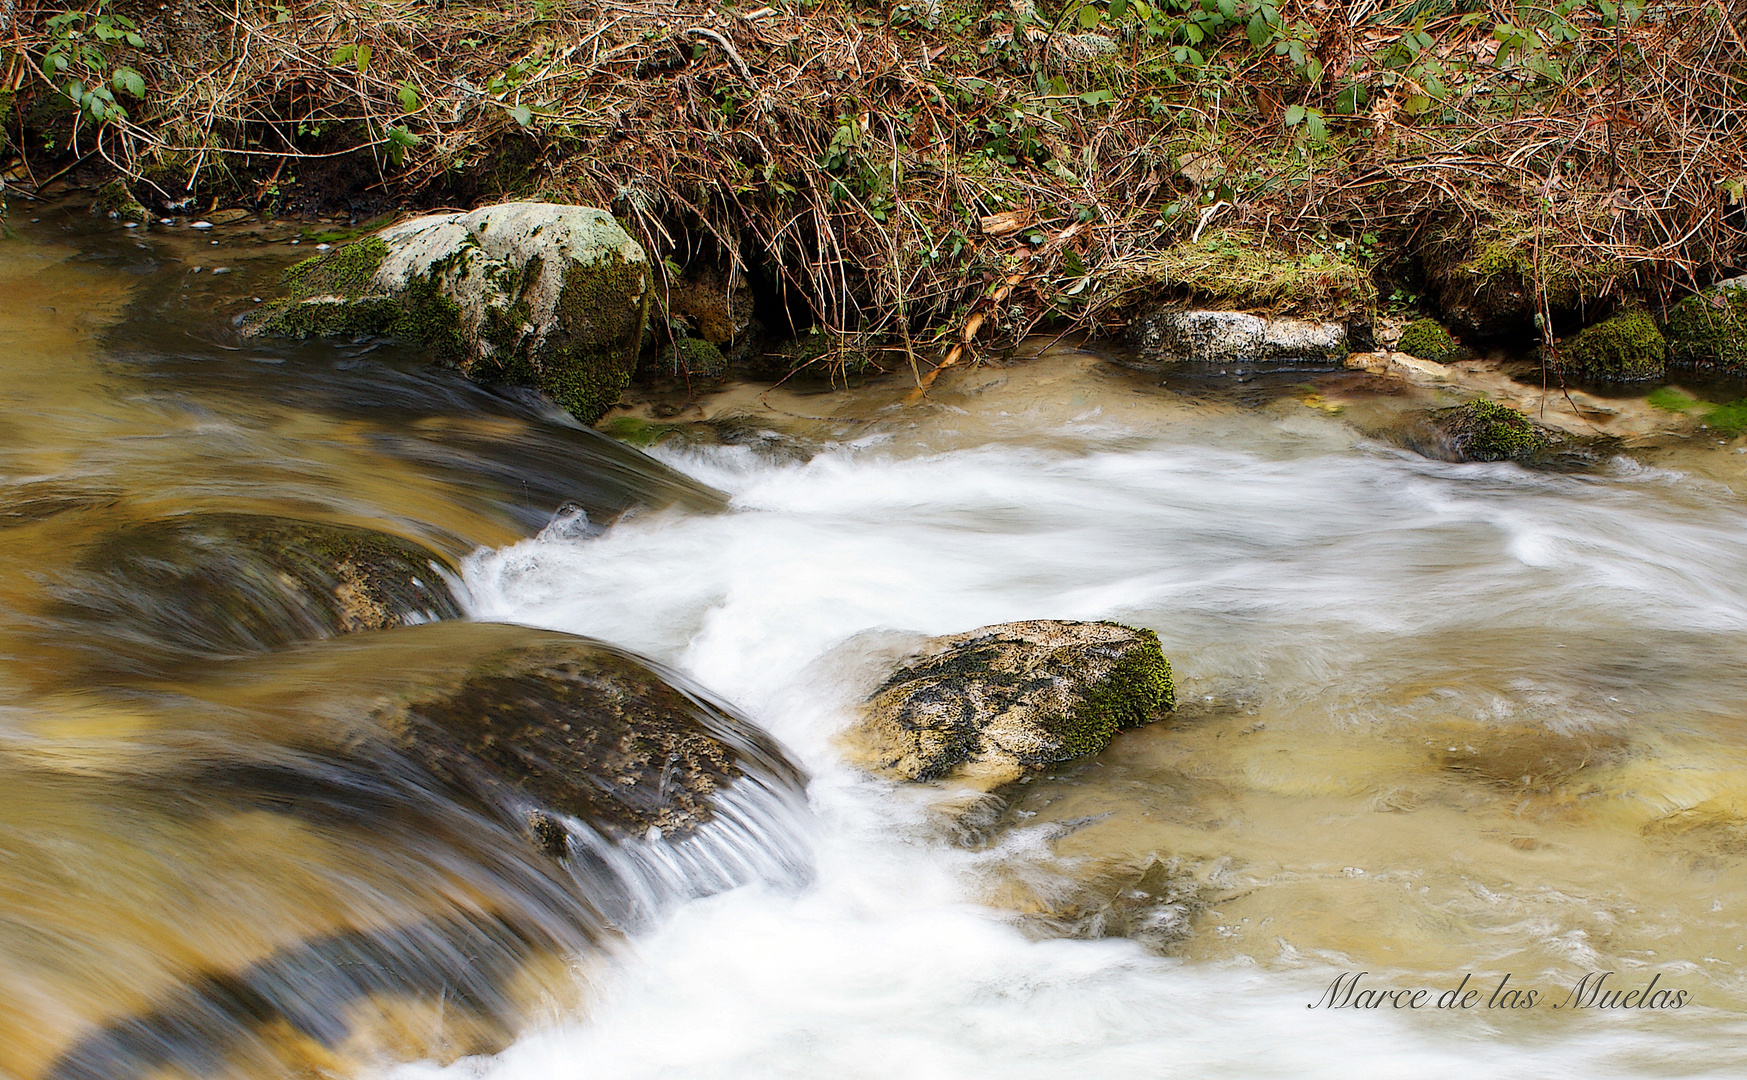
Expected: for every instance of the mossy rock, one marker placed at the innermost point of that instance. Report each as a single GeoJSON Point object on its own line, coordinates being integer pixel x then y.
{"type": "Point", "coordinates": [691, 357]}
{"type": "Point", "coordinates": [232, 584]}
{"type": "Point", "coordinates": [117, 201]}
{"type": "Point", "coordinates": [1483, 277]}
{"type": "Point", "coordinates": [989, 706]}
{"type": "Point", "coordinates": [1428, 340]}
{"type": "Point", "coordinates": [535, 294]}
{"type": "Point", "coordinates": [1625, 348]}
{"type": "Point", "coordinates": [1487, 431]}
{"type": "Point", "coordinates": [1708, 331]}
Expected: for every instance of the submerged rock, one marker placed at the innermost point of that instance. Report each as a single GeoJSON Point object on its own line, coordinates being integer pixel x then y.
{"type": "Point", "coordinates": [1625, 348]}
{"type": "Point", "coordinates": [534, 294]}
{"type": "Point", "coordinates": [576, 728]}
{"type": "Point", "coordinates": [1708, 331]}
{"type": "Point", "coordinates": [1164, 336]}
{"type": "Point", "coordinates": [988, 706]}
{"type": "Point", "coordinates": [231, 584]}
{"type": "Point", "coordinates": [1486, 431]}
{"type": "Point", "coordinates": [508, 800]}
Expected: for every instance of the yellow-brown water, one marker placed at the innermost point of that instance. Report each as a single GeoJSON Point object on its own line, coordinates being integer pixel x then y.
{"type": "Point", "coordinates": [1436, 720]}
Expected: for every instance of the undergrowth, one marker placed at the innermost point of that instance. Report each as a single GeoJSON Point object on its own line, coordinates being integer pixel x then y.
{"type": "Point", "coordinates": [936, 169]}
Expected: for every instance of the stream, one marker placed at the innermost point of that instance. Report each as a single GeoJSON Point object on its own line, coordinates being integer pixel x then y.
{"type": "Point", "coordinates": [1435, 722]}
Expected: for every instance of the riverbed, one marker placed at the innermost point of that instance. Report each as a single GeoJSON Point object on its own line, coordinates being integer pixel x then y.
{"type": "Point", "coordinates": [1437, 721]}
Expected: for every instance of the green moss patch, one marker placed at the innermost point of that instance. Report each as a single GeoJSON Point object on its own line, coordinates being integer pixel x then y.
{"type": "Point", "coordinates": [1488, 431]}
{"type": "Point", "coordinates": [1428, 340]}
{"type": "Point", "coordinates": [691, 356]}
{"type": "Point", "coordinates": [1709, 331]}
{"type": "Point", "coordinates": [1625, 348]}
{"type": "Point", "coordinates": [1234, 268]}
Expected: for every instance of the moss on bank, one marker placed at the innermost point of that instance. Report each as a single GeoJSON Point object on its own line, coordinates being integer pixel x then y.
{"type": "Point", "coordinates": [1708, 331]}
{"type": "Point", "coordinates": [1428, 340]}
{"type": "Point", "coordinates": [1625, 348]}
{"type": "Point", "coordinates": [1236, 268]}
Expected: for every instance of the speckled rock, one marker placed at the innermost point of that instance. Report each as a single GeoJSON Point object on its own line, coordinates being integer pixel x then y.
{"type": "Point", "coordinates": [534, 294]}
{"type": "Point", "coordinates": [581, 729]}
{"type": "Point", "coordinates": [1164, 337]}
{"type": "Point", "coordinates": [989, 706]}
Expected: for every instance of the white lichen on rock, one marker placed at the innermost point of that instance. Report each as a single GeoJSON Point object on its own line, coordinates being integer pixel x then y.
{"type": "Point", "coordinates": [533, 293]}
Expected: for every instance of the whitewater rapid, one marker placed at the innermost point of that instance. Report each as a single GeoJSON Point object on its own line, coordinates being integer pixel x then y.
{"type": "Point", "coordinates": [1297, 577]}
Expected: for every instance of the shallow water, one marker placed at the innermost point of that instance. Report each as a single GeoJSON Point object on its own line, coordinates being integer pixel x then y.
{"type": "Point", "coordinates": [1435, 721]}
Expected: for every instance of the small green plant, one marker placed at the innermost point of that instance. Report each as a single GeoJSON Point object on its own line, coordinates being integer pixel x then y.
{"type": "Point", "coordinates": [81, 60]}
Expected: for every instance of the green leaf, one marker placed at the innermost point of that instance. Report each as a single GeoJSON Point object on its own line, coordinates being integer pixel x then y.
{"type": "Point", "coordinates": [363, 59]}
{"type": "Point", "coordinates": [1118, 8]}
{"type": "Point", "coordinates": [400, 136]}
{"type": "Point", "coordinates": [1294, 115]}
{"type": "Point", "coordinates": [409, 98]}
{"type": "Point", "coordinates": [522, 115]}
{"type": "Point", "coordinates": [343, 54]}
{"type": "Point", "coordinates": [1097, 97]}
{"type": "Point", "coordinates": [1314, 128]}
{"type": "Point", "coordinates": [1090, 17]}
{"type": "Point", "coordinates": [129, 81]}
{"type": "Point", "coordinates": [135, 40]}
{"type": "Point", "coordinates": [1258, 30]}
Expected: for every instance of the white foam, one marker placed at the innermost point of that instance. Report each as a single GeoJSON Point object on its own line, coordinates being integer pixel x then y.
{"type": "Point", "coordinates": [882, 968]}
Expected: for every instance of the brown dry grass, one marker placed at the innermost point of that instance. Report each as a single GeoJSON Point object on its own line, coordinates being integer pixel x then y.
{"type": "Point", "coordinates": [858, 154]}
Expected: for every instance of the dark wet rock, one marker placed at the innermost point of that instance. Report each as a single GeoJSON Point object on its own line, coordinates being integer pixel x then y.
{"type": "Point", "coordinates": [989, 706]}
{"type": "Point", "coordinates": [578, 728]}
{"type": "Point", "coordinates": [234, 1023]}
{"type": "Point", "coordinates": [521, 796]}
{"type": "Point", "coordinates": [526, 293]}
{"type": "Point", "coordinates": [1153, 903]}
{"type": "Point", "coordinates": [231, 584]}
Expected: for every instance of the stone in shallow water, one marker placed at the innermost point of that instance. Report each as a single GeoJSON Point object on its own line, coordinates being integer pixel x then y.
{"type": "Point", "coordinates": [534, 294]}
{"type": "Point", "coordinates": [989, 706]}
{"type": "Point", "coordinates": [231, 584]}
{"type": "Point", "coordinates": [1163, 337]}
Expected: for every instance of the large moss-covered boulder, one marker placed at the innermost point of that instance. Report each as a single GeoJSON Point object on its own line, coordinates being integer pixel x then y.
{"type": "Point", "coordinates": [206, 585]}
{"type": "Point", "coordinates": [989, 706]}
{"type": "Point", "coordinates": [1708, 331]}
{"type": "Point", "coordinates": [533, 294]}
{"type": "Point", "coordinates": [1624, 348]}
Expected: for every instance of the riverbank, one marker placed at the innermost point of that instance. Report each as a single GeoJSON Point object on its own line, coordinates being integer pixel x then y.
{"type": "Point", "coordinates": [911, 179]}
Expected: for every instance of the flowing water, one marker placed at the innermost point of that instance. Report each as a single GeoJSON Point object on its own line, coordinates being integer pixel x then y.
{"type": "Point", "coordinates": [1435, 721]}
